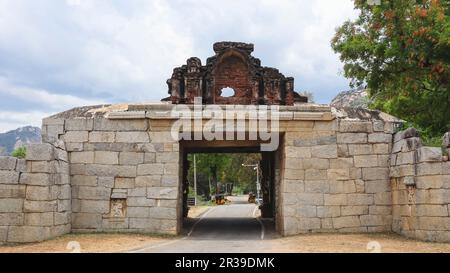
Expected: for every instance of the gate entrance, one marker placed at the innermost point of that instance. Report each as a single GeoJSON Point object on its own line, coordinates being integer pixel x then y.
{"type": "Point", "coordinates": [254, 183]}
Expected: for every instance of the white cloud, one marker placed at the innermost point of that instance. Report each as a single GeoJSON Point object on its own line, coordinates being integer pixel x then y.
{"type": "Point", "coordinates": [12, 120]}
{"type": "Point", "coordinates": [125, 50]}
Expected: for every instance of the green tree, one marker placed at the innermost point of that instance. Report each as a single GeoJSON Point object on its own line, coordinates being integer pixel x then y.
{"type": "Point", "coordinates": [20, 152]}
{"type": "Point", "coordinates": [401, 50]}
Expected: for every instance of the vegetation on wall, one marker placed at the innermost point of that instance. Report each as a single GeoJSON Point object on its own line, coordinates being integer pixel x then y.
{"type": "Point", "coordinates": [20, 152]}
{"type": "Point", "coordinates": [401, 51]}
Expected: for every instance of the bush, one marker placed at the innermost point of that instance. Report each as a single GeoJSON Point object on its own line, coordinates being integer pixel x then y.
{"type": "Point", "coordinates": [20, 152]}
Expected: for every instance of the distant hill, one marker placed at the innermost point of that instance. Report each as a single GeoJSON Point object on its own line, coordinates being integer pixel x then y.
{"type": "Point", "coordinates": [357, 98]}
{"type": "Point", "coordinates": [16, 138]}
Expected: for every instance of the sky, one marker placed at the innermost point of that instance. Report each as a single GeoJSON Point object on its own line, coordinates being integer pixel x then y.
{"type": "Point", "coordinates": [59, 54]}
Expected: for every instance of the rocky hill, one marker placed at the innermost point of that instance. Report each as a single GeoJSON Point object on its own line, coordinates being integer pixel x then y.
{"type": "Point", "coordinates": [357, 98]}
{"type": "Point", "coordinates": [16, 138]}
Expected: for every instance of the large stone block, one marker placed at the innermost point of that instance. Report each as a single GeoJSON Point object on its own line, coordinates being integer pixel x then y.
{"type": "Point", "coordinates": [376, 220]}
{"type": "Point", "coordinates": [381, 148]}
{"type": "Point", "coordinates": [338, 174]}
{"type": "Point", "coordinates": [9, 177]}
{"type": "Point", "coordinates": [139, 212]}
{"type": "Point", "coordinates": [366, 161]}
{"type": "Point", "coordinates": [320, 186]}
{"type": "Point", "coordinates": [298, 152]}
{"type": "Point", "coordinates": [12, 191]}
{"type": "Point", "coordinates": [345, 186]}
{"type": "Point", "coordinates": [39, 206]}
{"type": "Point", "coordinates": [355, 126]}
{"type": "Point", "coordinates": [11, 219]}
{"type": "Point", "coordinates": [428, 168]}
{"type": "Point", "coordinates": [346, 222]}
{"type": "Point", "coordinates": [86, 221]}
{"type": "Point", "coordinates": [313, 199]}
{"type": "Point", "coordinates": [8, 163]}
{"type": "Point", "coordinates": [106, 158]}
{"type": "Point", "coordinates": [111, 170]}
{"type": "Point", "coordinates": [93, 193]}
{"type": "Point", "coordinates": [37, 179]}
{"type": "Point", "coordinates": [432, 210]}
{"type": "Point", "coordinates": [132, 137]}
{"type": "Point", "coordinates": [360, 149]}
{"type": "Point", "coordinates": [79, 124]}
{"type": "Point", "coordinates": [380, 138]}
{"type": "Point", "coordinates": [434, 223]}
{"type": "Point", "coordinates": [82, 157]}
{"type": "Point", "coordinates": [148, 181]}
{"type": "Point", "coordinates": [28, 234]}
{"type": "Point", "coordinates": [375, 173]}
{"type": "Point", "coordinates": [308, 224]}
{"type": "Point", "coordinates": [39, 193]}
{"type": "Point", "coordinates": [102, 137]}
{"type": "Point", "coordinates": [294, 174]}
{"type": "Point", "coordinates": [145, 224]}
{"type": "Point", "coordinates": [84, 180]}
{"type": "Point", "coordinates": [324, 151]}
{"type": "Point", "coordinates": [328, 211]}
{"type": "Point", "coordinates": [44, 219]}
{"type": "Point", "coordinates": [124, 183]}
{"type": "Point", "coordinates": [375, 186]}
{"type": "Point", "coordinates": [103, 124]}
{"type": "Point", "coordinates": [335, 199]}
{"type": "Point", "coordinates": [359, 199]}
{"type": "Point", "coordinates": [308, 163]}
{"type": "Point", "coordinates": [429, 154]}
{"type": "Point", "coordinates": [293, 186]}
{"type": "Point", "coordinates": [131, 158]}
{"type": "Point", "coordinates": [162, 192]}
{"type": "Point", "coordinates": [354, 210]}
{"type": "Point", "coordinates": [306, 211]}
{"type": "Point", "coordinates": [39, 152]}
{"type": "Point", "coordinates": [351, 138]}
{"type": "Point", "coordinates": [140, 202]}
{"type": "Point", "coordinates": [150, 169]}
{"type": "Point", "coordinates": [163, 213]}
{"type": "Point", "coordinates": [168, 157]}
{"type": "Point", "coordinates": [408, 133]}
{"type": "Point", "coordinates": [94, 206]}
{"type": "Point", "coordinates": [76, 136]}
{"type": "Point", "coordinates": [169, 181]}
{"type": "Point", "coordinates": [11, 205]}
{"type": "Point", "coordinates": [313, 174]}
{"type": "Point", "coordinates": [341, 163]}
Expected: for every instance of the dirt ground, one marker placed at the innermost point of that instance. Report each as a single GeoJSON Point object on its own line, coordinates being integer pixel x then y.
{"type": "Point", "coordinates": [316, 243]}
{"type": "Point", "coordinates": [87, 243]}
{"type": "Point", "coordinates": [355, 243]}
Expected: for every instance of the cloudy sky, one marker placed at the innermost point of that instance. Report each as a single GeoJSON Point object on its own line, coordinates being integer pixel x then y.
{"type": "Point", "coordinates": [58, 54]}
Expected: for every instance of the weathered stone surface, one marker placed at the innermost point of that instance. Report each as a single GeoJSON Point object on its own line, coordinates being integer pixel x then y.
{"type": "Point", "coordinates": [167, 157]}
{"type": "Point", "coordinates": [162, 192]}
{"type": "Point", "coordinates": [131, 158]}
{"type": "Point", "coordinates": [335, 199]}
{"type": "Point", "coordinates": [360, 199]}
{"type": "Point", "coordinates": [169, 181]}
{"type": "Point", "coordinates": [86, 221]}
{"type": "Point", "coordinates": [82, 157]}
{"type": "Point", "coordinates": [106, 158]}
{"type": "Point", "coordinates": [93, 193]}
{"type": "Point", "coordinates": [37, 179]}
{"type": "Point", "coordinates": [28, 234]}
{"type": "Point", "coordinates": [354, 210]}
{"type": "Point", "coordinates": [346, 222]}
{"type": "Point", "coordinates": [375, 173]}
{"type": "Point", "coordinates": [163, 213]}
{"type": "Point", "coordinates": [12, 191]}
{"type": "Point", "coordinates": [328, 211]}
{"type": "Point", "coordinates": [76, 136]}
{"type": "Point", "coordinates": [366, 161]}
{"type": "Point", "coordinates": [124, 183]}
{"type": "Point", "coordinates": [429, 168]}
{"type": "Point", "coordinates": [360, 149]}
{"type": "Point", "coordinates": [102, 124]}
{"type": "Point", "coordinates": [408, 133]}
{"type": "Point", "coordinates": [39, 193]}
{"type": "Point", "coordinates": [313, 199]}
{"type": "Point", "coordinates": [132, 137]}
{"type": "Point", "coordinates": [39, 152]}
{"type": "Point", "coordinates": [140, 202]}
{"type": "Point", "coordinates": [380, 138]}
{"type": "Point", "coordinates": [307, 211]}
{"type": "Point", "coordinates": [294, 174]}
{"type": "Point", "coordinates": [429, 154]}
{"type": "Point", "coordinates": [355, 126]}
{"type": "Point", "coordinates": [84, 180]}
{"type": "Point", "coordinates": [432, 210]}
{"type": "Point", "coordinates": [351, 138]}
{"type": "Point", "coordinates": [11, 219]}
{"type": "Point", "coordinates": [111, 170]}
{"type": "Point", "coordinates": [94, 206]}
{"type": "Point", "coordinates": [324, 151]}
{"type": "Point", "coordinates": [313, 174]}
{"type": "Point", "coordinates": [150, 169]}
{"type": "Point", "coordinates": [446, 140]}
{"type": "Point", "coordinates": [39, 206]}
{"type": "Point", "coordinates": [375, 186]}
{"type": "Point", "coordinates": [7, 163]}
{"type": "Point", "coordinates": [9, 177]}
{"type": "Point", "coordinates": [79, 124]}
{"type": "Point", "coordinates": [298, 152]}
{"type": "Point", "coordinates": [338, 174]}
{"type": "Point", "coordinates": [148, 181]}
{"type": "Point", "coordinates": [11, 205]}
{"type": "Point", "coordinates": [317, 186]}
{"type": "Point", "coordinates": [39, 219]}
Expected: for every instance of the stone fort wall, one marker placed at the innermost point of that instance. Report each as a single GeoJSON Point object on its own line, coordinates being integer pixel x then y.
{"type": "Point", "coordinates": [105, 170]}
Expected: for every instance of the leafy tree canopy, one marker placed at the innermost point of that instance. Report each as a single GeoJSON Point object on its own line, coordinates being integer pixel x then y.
{"type": "Point", "coordinates": [401, 50]}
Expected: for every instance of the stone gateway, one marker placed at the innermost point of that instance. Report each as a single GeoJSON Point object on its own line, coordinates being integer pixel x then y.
{"type": "Point", "coordinates": [118, 168]}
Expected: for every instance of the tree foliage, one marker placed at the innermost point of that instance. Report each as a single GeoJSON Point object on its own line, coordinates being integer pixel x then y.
{"type": "Point", "coordinates": [401, 50]}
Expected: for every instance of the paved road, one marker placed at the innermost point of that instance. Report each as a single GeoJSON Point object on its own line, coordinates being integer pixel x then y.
{"type": "Point", "coordinates": [229, 228]}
